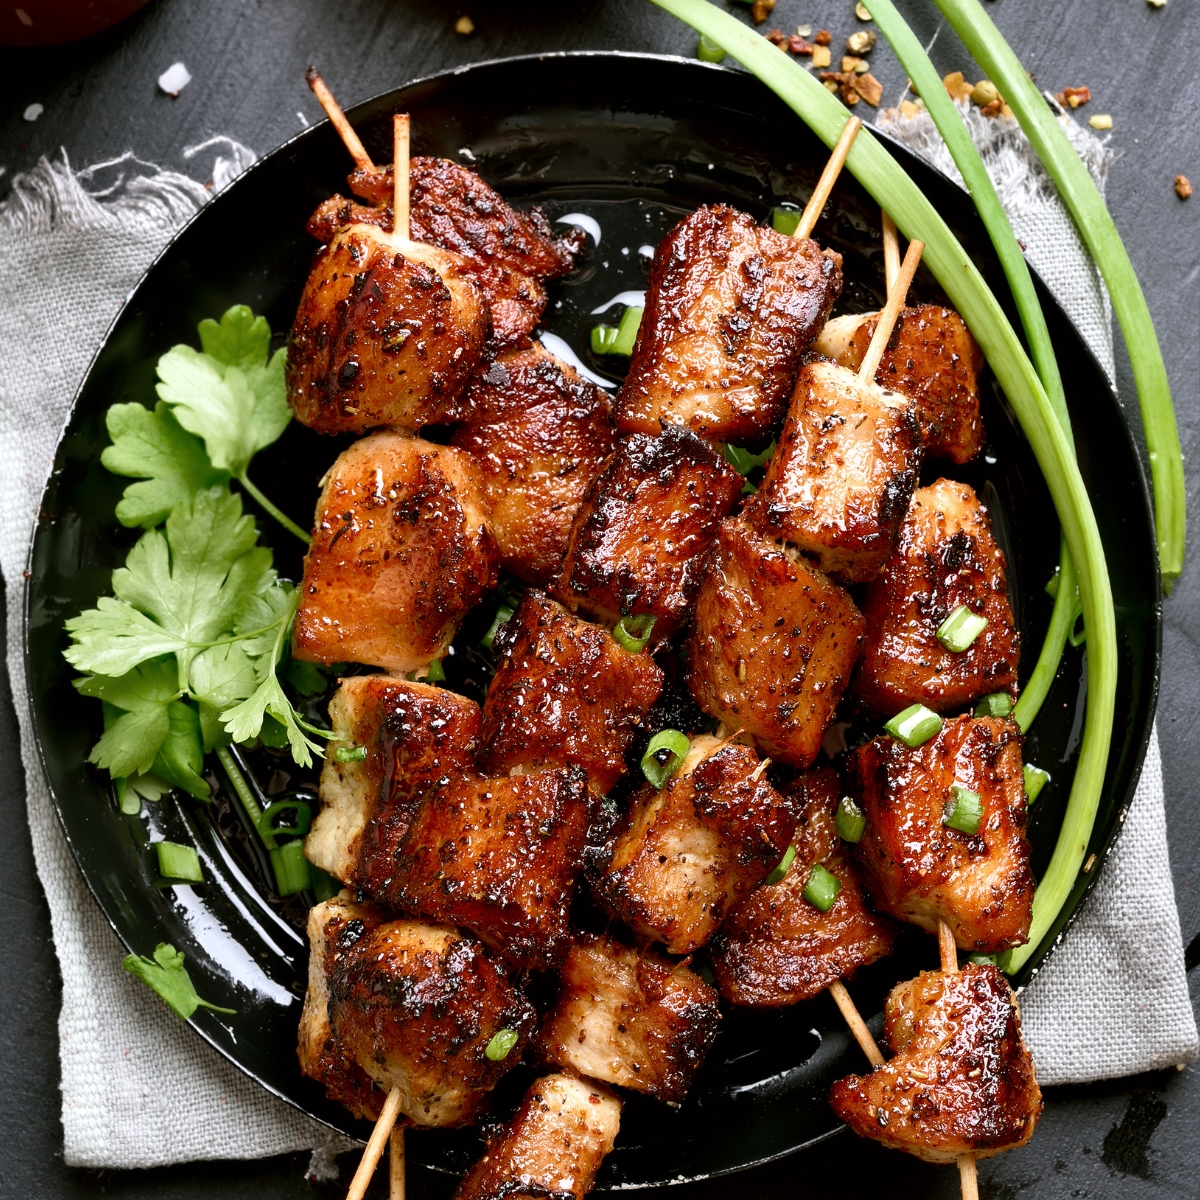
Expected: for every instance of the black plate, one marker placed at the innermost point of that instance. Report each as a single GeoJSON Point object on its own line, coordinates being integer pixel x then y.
{"type": "Point", "coordinates": [635, 141]}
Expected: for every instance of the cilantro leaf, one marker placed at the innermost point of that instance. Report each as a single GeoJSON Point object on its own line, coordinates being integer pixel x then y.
{"type": "Point", "coordinates": [132, 790]}
{"type": "Point", "coordinates": [152, 446]}
{"type": "Point", "coordinates": [166, 975]}
{"type": "Point", "coordinates": [130, 744]}
{"type": "Point", "coordinates": [240, 339]}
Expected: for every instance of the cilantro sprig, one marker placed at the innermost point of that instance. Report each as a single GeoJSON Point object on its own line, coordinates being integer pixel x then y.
{"type": "Point", "coordinates": [166, 975]}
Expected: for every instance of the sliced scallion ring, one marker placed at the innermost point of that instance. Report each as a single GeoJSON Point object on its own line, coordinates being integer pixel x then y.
{"type": "Point", "coordinates": [963, 811]}
{"type": "Point", "coordinates": [851, 820]}
{"type": "Point", "coordinates": [632, 633]}
{"type": "Point", "coordinates": [664, 756]}
{"type": "Point", "coordinates": [179, 862]}
{"type": "Point", "coordinates": [822, 888]}
{"type": "Point", "coordinates": [1035, 780]}
{"type": "Point", "coordinates": [914, 726]}
{"type": "Point", "coordinates": [998, 704]}
{"type": "Point", "coordinates": [960, 629]}
{"type": "Point", "coordinates": [501, 1044]}
{"type": "Point", "coordinates": [784, 866]}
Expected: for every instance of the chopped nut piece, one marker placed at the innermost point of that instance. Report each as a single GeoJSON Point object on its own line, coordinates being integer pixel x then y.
{"type": "Point", "coordinates": [1073, 97]}
{"type": "Point", "coordinates": [464, 25]}
{"type": "Point", "coordinates": [804, 30]}
{"type": "Point", "coordinates": [797, 45]}
{"type": "Point", "coordinates": [957, 86]}
{"type": "Point", "coordinates": [1101, 121]}
{"type": "Point", "coordinates": [869, 88]}
{"type": "Point", "coordinates": [862, 42]}
{"type": "Point", "coordinates": [909, 110]}
{"type": "Point", "coordinates": [1183, 186]}
{"type": "Point", "coordinates": [778, 38]}
{"type": "Point", "coordinates": [994, 109]}
{"type": "Point", "coordinates": [821, 56]}
{"type": "Point", "coordinates": [850, 63]}
{"type": "Point", "coordinates": [823, 38]}
{"type": "Point", "coordinates": [830, 85]}
{"type": "Point", "coordinates": [862, 67]}
{"type": "Point", "coordinates": [843, 83]}
{"type": "Point", "coordinates": [759, 10]}
{"type": "Point", "coordinates": [860, 11]}
{"type": "Point", "coordinates": [984, 93]}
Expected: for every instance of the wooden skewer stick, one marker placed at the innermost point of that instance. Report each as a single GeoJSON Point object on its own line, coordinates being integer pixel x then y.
{"type": "Point", "coordinates": [891, 253]}
{"type": "Point", "coordinates": [374, 1151]}
{"type": "Point", "coordinates": [337, 118]}
{"type": "Point", "coordinates": [858, 1027]}
{"type": "Point", "coordinates": [891, 312]}
{"type": "Point", "coordinates": [396, 1168]}
{"type": "Point", "coordinates": [400, 136]}
{"type": "Point", "coordinates": [833, 168]}
{"type": "Point", "coordinates": [948, 951]}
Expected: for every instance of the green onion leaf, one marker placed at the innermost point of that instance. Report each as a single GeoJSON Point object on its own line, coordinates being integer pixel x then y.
{"type": "Point", "coordinates": [291, 868]}
{"type": "Point", "coordinates": [501, 1044]}
{"type": "Point", "coordinates": [345, 754]}
{"type": "Point", "coordinates": [603, 338]}
{"type": "Point", "coordinates": [960, 629]}
{"type": "Point", "coordinates": [633, 633]}
{"type": "Point", "coordinates": [627, 331]}
{"type": "Point", "coordinates": [914, 726]}
{"type": "Point", "coordinates": [851, 820]}
{"type": "Point", "coordinates": [1035, 780]}
{"type": "Point", "coordinates": [785, 220]}
{"type": "Point", "coordinates": [783, 867]}
{"type": "Point", "coordinates": [963, 811]}
{"type": "Point", "coordinates": [655, 767]}
{"type": "Point", "coordinates": [822, 888]}
{"type": "Point", "coordinates": [178, 862]}
{"type": "Point", "coordinates": [267, 828]}
{"type": "Point", "coordinates": [998, 704]}
{"type": "Point", "coordinates": [708, 51]}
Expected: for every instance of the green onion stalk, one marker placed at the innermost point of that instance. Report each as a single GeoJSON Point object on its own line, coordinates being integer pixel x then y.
{"type": "Point", "coordinates": [1082, 198]}
{"type": "Point", "coordinates": [894, 191]}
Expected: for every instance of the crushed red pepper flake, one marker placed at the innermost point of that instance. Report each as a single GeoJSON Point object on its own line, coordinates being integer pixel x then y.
{"type": "Point", "coordinates": [1073, 97]}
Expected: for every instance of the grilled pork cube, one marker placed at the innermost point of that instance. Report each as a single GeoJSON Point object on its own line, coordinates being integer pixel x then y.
{"type": "Point", "coordinates": [630, 1018]}
{"type": "Point", "coordinates": [946, 557]}
{"type": "Point", "coordinates": [642, 535]}
{"type": "Point", "coordinates": [839, 484]}
{"type": "Point", "coordinates": [553, 1146]}
{"type": "Point", "coordinates": [772, 643]}
{"type": "Point", "coordinates": [413, 735]}
{"type": "Point", "coordinates": [962, 1081]}
{"type": "Point", "coordinates": [730, 307]}
{"type": "Point", "coordinates": [388, 332]}
{"type": "Point", "coordinates": [499, 857]}
{"type": "Point", "coordinates": [682, 857]}
{"type": "Point", "coordinates": [776, 948]}
{"type": "Point", "coordinates": [401, 551]}
{"type": "Point", "coordinates": [539, 433]}
{"type": "Point", "coordinates": [918, 869]}
{"type": "Point", "coordinates": [931, 357]}
{"type": "Point", "coordinates": [564, 694]}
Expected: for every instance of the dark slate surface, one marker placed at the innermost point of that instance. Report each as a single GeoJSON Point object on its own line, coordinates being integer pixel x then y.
{"type": "Point", "coordinates": [1134, 1139]}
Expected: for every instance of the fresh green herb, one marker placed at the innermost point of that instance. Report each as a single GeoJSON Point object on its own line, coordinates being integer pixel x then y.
{"type": "Point", "coordinates": [436, 672]}
{"type": "Point", "coordinates": [603, 339]}
{"type": "Point", "coordinates": [742, 461]}
{"type": "Point", "coordinates": [627, 331]}
{"type": "Point", "coordinates": [914, 726]}
{"type": "Point", "coordinates": [963, 811]}
{"type": "Point", "coordinates": [345, 754]}
{"type": "Point", "coordinates": [664, 756]}
{"type": "Point", "coordinates": [178, 862]}
{"type": "Point", "coordinates": [134, 789]}
{"type": "Point", "coordinates": [1035, 780]}
{"type": "Point", "coordinates": [960, 629]}
{"type": "Point", "coordinates": [501, 1044]}
{"type": "Point", "coordinates": [782, 868]}
{"type": "Point", "coordinates": [632, 633]}
{"type": "Point", "coordinates": [822, 888]}
{"type": "Point", "coordinates": [998, 704]}
{"type": "Point", "coordinates": [508, 598]}
{"type": "Point", "coordinates": [851, 820]}
{"type": "Point", "coordinates": [708, 51]}
{"type": "Point", "coordinates": [166, 975]}
{"type": "Point", "coordinates": [266, 823]}
{"type": "Point", "coordinates": [982, 960]}
{"type": "Point", "coordinates": [785, 220]}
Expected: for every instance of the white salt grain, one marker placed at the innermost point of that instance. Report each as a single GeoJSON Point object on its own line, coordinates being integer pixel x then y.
{"type": "Point", "coordinates": [174, 79]}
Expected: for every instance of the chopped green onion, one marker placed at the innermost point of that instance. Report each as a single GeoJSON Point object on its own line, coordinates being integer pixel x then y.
{"type": "Point", "coordinates": [914, 726]}
{"type": "Point", "coordinates": [658, 770]}
{"type": "Point", "coordinates": [963, 811]}
{"type": "Point", "coordinates": [436, 673]}
{"type": "Point", "coordinates": [633, 633]}
{"type": "Point", "coordinates": [960, 629]}
{"type": "Point", "coordinates": [501, 1044]}
{"type": "Point", "coordinates": [178, 862]}
{"type": "Point", "coordinates": [345, 754]}
{"type": "Point", "coordinates": [504, 613]}
{"type": "Point", "coordinates": [998, 704]}
{"type": "Point", "coordinates": [783, 867]}
{"type": "Point", "coordinates": [627, 331]}
{"type": "Point", "coordinates": [291, 868]}
{"type": "Point", "coordinates": [604, 338]}
{"type": "Point", "coordinates": [708, 51]}
{"type": "Point", "coordinates": [851, 820]}
{"type": "Point", "coordinates": [1035, 780]}
{"type": "Point", "coordinates": [785, 220]}
{"type": "Point", "coordinates": [303, 812]}
{"type": "Point", "coordinates": [822, 888]}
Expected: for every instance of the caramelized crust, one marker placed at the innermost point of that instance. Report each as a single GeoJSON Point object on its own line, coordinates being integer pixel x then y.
{"type": "Point", "coordinates": [401, 551]}
{"type": "Point", "coordinates": [684, 856]}
{"type": "Point", "coordinates": [772, 644]}
{"type": "Point", "coordinates": [499, 857]}
{"type": "Point", "coordinates": [946, 557]}
{"type": "Point", "coordinates": [413, 734]}
{"type": "Point", "coordinates": [539, 433]}
{"type": "Point", "coordinates": [776, 948]}
{"type": "Point", "coordinates": [629, 1018]}
{"type": "Point", "coordinates": [415, 1006]}
{"type": "Point", "coordinates": [388, 332]}
{"type": "Point", "coordinates": [730, 307]}
{"type": "Point", "coordinates": [553, 1146]}
{"type": "Point", "coordinates": [915, 867]}
{"type": "Point", "coordinates": [564, 694]}
{"type": "Point", "coordinates": [931, 357]}
{"type": "Point", "coordinates": [641, 537]}
{"type": "Point", "coordinates": [962, 1080]}
{"type": "Point", "coordinates": [839, 484]}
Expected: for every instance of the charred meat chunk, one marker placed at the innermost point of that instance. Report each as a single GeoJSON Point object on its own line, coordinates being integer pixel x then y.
{"type": "Point", "coordinates": [772, 643]}
{"type": "Point", "coordinates": [683, 857]}
{"type": "Point", "coordinates": [777, 948]}
{"type": "Point", "coordinates": [401, 551]}
{"type": "Point", "coordinates": [630, 1018]}
{"type": "Point", "coordinates": [730, 307]}
{"type": "Point", "coordinates": [839, 484]}
{"type": "Point", "coordinates": [919, 869]}
{"type": "Point", "coordinates": [946, 558]}
{"type": "Point", "coordinates": [499, 856]}
{"type": "Point", "coordinates": [564, 694]}
{"type": "Point", "coordinates": [539, 433]}
{"type": "Point", "coordinates": [388, 332]}
{"type": "Point", "coordinates": [962, 1081]}
{"type": "Point", "coordinates": [641, 538]}
{"type": "Point", "coordinates": [553, 1146]}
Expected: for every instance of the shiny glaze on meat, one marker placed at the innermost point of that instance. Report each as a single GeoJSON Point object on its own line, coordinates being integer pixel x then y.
{"type": "Point", "coordinates": [499, 856]}
{"type": "Point", "coordinates": [387, 332]}
{"type": "Point", "coordinates": [539, 433]}
{"type": "Point", "coordinates": [682, 857]}
{"type": "Point", "coordinates": [415, 1006]}
{"type": "Point", "coordinates": [401, 551]}
{"type": "Point", "coordinates": [413, 734]}
{"type": "Point", "coordinates": [931, 357]}
{"type": "Point", "coordinates": [962, 1080]}
{"type": "Point", "coordinates": [917, 869]}
{"type": "Point", "coordinates": [772, 643]}
{"type": "Point", "coordinates": [946, 557]}
{"type": "Point", "coordinates": [630, 1018]}
{"type": "Point", "coordinates": [839, 483]}
{"type": "Point", "coordinates": [641, 537]}
{"type": "Point", "coordinates": [730, 307]}
{"type": "Point", "coordinates": [552, 1147]}
{"type": "Point", "coordinates": [776, 948]}
{"type": "Point", "coordinates": [564, 694]}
